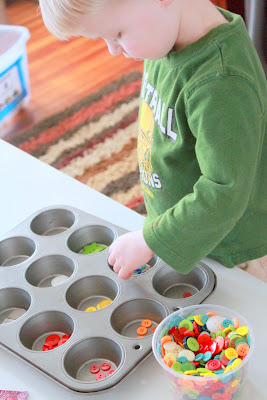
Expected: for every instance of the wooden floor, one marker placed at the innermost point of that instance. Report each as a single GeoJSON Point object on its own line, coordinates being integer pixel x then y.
{"type": "Point", "coordinates": [61, 73]}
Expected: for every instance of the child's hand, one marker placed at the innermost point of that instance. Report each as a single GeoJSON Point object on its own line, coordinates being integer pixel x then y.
{"type": "Point", "coordinates": [128, 253]}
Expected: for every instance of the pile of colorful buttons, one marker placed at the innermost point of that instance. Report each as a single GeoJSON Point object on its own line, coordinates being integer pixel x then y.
{"type": "Point", "coordinates": [101, 304]}
{"type": "Point", "coordinates": [205, 345]}
{"type": "Point", "coordinates": [142, 269]}
{"type": "Point", "coordinates": [53, 341]}
{"type": "Point", "coordinates": [105, 366]}
{"type": "Point", "coordinates": [143, 329]}
{"type": "Point", "coordinates": [93, 248]}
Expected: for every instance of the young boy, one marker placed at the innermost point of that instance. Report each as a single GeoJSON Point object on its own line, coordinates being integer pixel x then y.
{"type": "Point", "coordinates": [202, 123]}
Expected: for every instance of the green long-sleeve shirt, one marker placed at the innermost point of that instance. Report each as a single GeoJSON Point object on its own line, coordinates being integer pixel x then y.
{"type": "Point", "coordinates": [201, 150]}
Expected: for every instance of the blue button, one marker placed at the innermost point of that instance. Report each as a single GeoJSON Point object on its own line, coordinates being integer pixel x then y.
{"type": "Point", "coordinates": [182, 359]}
{"type": "Point", "coordinates": [204, 318]}
{"type": "Point", "coordinates": [207, 356]}
{"type": "Point", "coordinates": [199, 357]}
{"type": "Point", "coordinates": [174, 321]}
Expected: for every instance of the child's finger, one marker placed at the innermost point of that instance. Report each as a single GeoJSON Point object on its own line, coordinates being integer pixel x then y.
{"type": "Point", "coordinates": [111, 260]}
{"type": "Point", "coordinates": [124, 273]}
{"type": "Point", "coordinates": [117, 267]}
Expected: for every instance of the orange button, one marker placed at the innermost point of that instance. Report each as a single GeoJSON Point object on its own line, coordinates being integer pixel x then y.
{"type": "Point", "coordinates": [165, 339]}
{"type": "Point", "coordinates": [146, 323]}
{"type": "Point", "coordinates": [153, 329]}
{"type": "Point", "coordinates": [141, 331]}
{"type": "Point", "coordinates": [242, 349]}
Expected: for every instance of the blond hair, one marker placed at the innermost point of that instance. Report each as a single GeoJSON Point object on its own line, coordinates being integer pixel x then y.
{"type": "Point", "coordinates": [61, 17]}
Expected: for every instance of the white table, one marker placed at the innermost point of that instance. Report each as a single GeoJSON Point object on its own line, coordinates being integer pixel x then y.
{"type": "Point", "coordinates": [27, 185]}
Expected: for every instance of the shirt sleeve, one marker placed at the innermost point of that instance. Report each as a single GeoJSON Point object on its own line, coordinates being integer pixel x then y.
{"type": "Point", "coordinates": [224, 115]}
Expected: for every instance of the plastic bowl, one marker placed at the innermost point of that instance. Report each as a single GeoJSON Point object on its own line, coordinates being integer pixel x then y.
{"type": "Point", "coordinates": [225, 386]}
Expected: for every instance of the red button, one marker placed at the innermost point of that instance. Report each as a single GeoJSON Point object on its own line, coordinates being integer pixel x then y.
{"type": "Point", "coordinates": [226, 343]}
{"type": "Point", "coordinates": [65, 337]}
{"type": "Point", "coordinates": [195, 325]}
{"type": "Point", "coordinates": [220, 342]}
{"type": "Point", "coordinates": [99, 376]}
{"type": "Point", "coordinates": [52, 339]}
{"type": "Point", "coordinates": [204, 339]}
{"type": "Point", "coordinates": [214, 348]}
{"type": "Point", "coordinates": [187, 294]}
{"type": "Point", "coordinates": [189, 333]}
{"type": "Point", "coordinates": [47, 346]}
{"type": "Point", "coordinates": [171, 330]}
{"type": "Point", "coordinates": [111, 371]}
{"type": "Point", "coordinates": [182, 330]}
{"type": "Point", "coordinates": [224, 360]}
{"type": "Point", "coordinates": [94, 368]}
{"type": "Point", "coordinates": [62, 341]}
{"type": "Point", "coordinates": [105, 366]}
{"type": "Point", "coordinates": [213, 365]}
{"type": "Point", "coordinates": [178, 338]}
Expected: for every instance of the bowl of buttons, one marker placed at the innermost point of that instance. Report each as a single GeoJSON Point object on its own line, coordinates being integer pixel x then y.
{"type": "Point", "coordinates": [205, 351]}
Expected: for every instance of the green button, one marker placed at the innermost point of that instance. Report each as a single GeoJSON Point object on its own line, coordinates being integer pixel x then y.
{"type": "Point", "coordinates": [177, 366]}
{"type": "Point", "coordinates": [164, 332]}
{"type": "Point", "coordinates": [203, 370]}
{"type": "Point", "coordinates": [186, 324]}
{"type": "Point", "coordinates": [192, 344]}
{"type": "Point", "coordinates": [188, 366]}
{"type": "Point", "coordinates": [221, 333]}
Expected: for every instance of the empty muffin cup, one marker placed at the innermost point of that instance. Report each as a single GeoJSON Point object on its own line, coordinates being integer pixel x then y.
{"type": "Point", "coordinates": [52, 222]}
{"type": "Point", "coordinates": [14, 303]}
{"type": "Point", "coordinates": [15, 250]}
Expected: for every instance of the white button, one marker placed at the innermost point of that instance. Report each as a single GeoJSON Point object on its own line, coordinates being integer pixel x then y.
{"type": "Point", "coordinates": [188, 354]}
{"type": "Point", "coordinates": [15, 314]}
{"type": "Point", "coordinates": [7, 320]}
{"type": "Point", "coordinates": [213, 323]}
{"type": "Point", "coordinates": [58, 280]}
{"type": "Point", "coordinates": [170, 346]}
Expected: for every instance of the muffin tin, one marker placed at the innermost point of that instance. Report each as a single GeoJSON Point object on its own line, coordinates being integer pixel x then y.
{"type": "Point", "coordinates": [47, 246]}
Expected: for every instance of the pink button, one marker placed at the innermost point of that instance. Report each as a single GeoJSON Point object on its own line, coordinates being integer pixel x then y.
{"type": "Point", "coordinates": [111, 371]}
{"type": "Point", "coordinates": [105, 366]}
{"type": "Point", "coordinates": [94, 368]}
{"type": "Point", "coordinates": [100, 376]}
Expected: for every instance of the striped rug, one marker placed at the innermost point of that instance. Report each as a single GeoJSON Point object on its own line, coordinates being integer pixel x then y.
{"type": "Point", "coordinates": [94, 141]}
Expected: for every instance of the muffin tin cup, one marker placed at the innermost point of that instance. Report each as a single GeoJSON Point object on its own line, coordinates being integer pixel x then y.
{"type": "Point", "coordinates": [184, 387]}
{"type": "Point", "coordinates": [54, 239]}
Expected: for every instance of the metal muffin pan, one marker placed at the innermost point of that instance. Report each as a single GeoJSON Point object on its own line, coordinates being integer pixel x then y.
{"type": "Point", "coordinates": [47, 245]}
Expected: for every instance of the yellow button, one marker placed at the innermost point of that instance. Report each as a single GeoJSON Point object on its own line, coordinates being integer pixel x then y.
{"type": "Point", "coordinates": [103, 303]}
{"type": "Point", "coordinates": [197, 319]}
{"type": "Point", "coordinates": [190, 372]}
{"type": "Point", "coordinates": [227, 330]}
{"type": "Point", "coordinates": [90, 309]}
{"type": "Point", "coordinates": [237, 362]}
{"type": "Point", "coordinates": [235, 382]}
{"type": "Point", "coordinates": [242, 330]}
{"type": "Point", "coordinates": [231, 353]}
{"type": "Point", "coordinates": [169, 356]}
